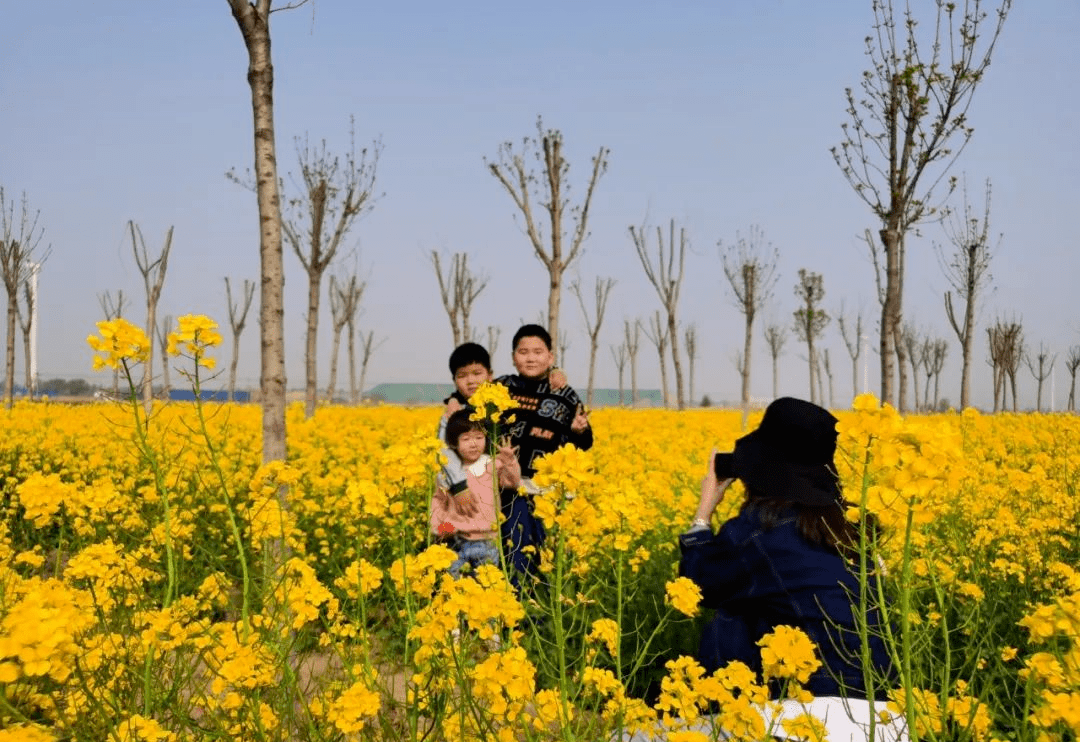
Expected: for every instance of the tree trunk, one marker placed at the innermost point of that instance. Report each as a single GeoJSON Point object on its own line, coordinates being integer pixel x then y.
{"type": "Point", "coordinates": [633, 380]}
{"type": "Point", "coordinates": [775, 378]}
{"type": "Point", "coordinates": [676, 361]}
{"type": "Point", "coordinates": [622, 400]}
{"type": "Point", "coordinates": [334, 348]}
{"type": "Point", "coordinates": [353, 398]}
{"type": "Point", "coordinates": [148, 368]}
{"type": "Point", "coordinates": [746, 362]}
{"type": "Point", "coordinates": [810, 356]}
{"type": "Point", "coordinates": [30, 385]}
{"type": "Point", "coordinates": [966, 342]}
{"type": "Point", "coordinates": [9, 378]}
{"type": "Point", "coordinates": [855, 376]}
{"type": "Point", "coordinates": [1072, 393]}
{"type": "Point", "coordinates": [901, 369]}
{"type": "Point", "coordinates": [554, 296]}
{"type": "Point", "coordinates": [232, 366]}
{"type": "Point", "coordinates": [663, 378]}
{"type": "Point", "coordinates": [311, 390]}
{"type": "Point", "coordinates": [592, 370]}
{"type": "Point", "coordinates": [255, 26]}
{"type": "Point", "coordinates": [890, 311]}
{"type": "Point", "coordinates": [915, 380]}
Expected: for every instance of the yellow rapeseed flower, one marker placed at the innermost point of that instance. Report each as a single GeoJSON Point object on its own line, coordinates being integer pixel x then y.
{"type": "Point", "coordinates": [683, 595]}
{"type": "Point", "coordinates": [120, 342]}
{"type": "Point", "coordinates": [195, 334]}
{"type": "Point", "coordinates": [788, 654]}
{"type": "Point", "coordinates": [490, 401]}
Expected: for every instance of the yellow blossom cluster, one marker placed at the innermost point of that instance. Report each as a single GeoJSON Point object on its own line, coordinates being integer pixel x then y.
{"type": "Point", "coordinates": [120, 343]}
{"type": "Point", "coordinates": [193, 336]}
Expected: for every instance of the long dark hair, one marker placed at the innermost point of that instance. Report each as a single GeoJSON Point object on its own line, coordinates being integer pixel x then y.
{"type": "Point", "coordinates": [826, 526]}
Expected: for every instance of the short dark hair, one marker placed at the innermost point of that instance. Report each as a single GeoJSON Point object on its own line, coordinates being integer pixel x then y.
{"type": "Point", "coordinates": [459, 424]}
{"type": "Point", "coordinates": [467, 353]}
{"type": "Point", "coordinates": [531, 331]}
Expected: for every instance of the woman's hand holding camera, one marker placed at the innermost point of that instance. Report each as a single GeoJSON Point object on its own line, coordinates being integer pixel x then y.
{"type": "Point", "coordinates": [712, 493]}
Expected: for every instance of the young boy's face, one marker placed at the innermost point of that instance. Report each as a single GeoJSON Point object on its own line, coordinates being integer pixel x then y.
{"type": "Point", "coordinates": [532, 358]}
{"type": "Point", "coordinates": [470, 446]}
{"type": "Point", "coordinates": [469, 377]}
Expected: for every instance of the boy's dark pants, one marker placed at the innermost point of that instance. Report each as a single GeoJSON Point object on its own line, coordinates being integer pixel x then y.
{"type": "Point", "coordinates": [519, 530]}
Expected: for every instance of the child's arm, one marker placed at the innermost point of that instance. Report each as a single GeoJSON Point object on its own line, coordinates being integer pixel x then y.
{"type": "Point", "coordinates": [557, 378]}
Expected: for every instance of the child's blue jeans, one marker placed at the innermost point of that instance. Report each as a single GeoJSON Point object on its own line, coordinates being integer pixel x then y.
{"type": "Point", "coordinates": [473, 554]}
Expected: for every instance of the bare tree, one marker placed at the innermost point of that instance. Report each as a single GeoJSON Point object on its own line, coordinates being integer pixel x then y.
{"type": "Point", "coordinates": [912, 341]}
{"type": "Point", "coordinates": [345, 296]}
{"type": "Point", "coordinates": [1006, 345]}
{"type": "Point", "coordinates": [657, 334]}
{"type": "Point", "coordinates": [996, 345]}
{"type": "Point", "coordinates": [493, 333]}
{"type": "Point", "coordinates": [592, 324]}
{"type": "Point", "coordinates": [632, 339]}
{"type": "Point", "coordinates": [691, 357]}
{"type": "Point", "coordinates": [853, 342]}
{"type": "Point", "coordinates": [153, 273]}
{"type": "Point", "coordinates": [666, 277]}
{"type": "Point", "coordinates": [618, 354]}
{"type": "Point", "coordinates": [331, 194]}
{"type": "Point", "coordinates": [1072, 363]}
{"type": "Point", "coordinates": [253, 19]}
{"type": "Point", "coordinates": [908, 127]}
{"type": "Point", "coordinates": [113, 309]}
{"type": "Point", "coordinates": [564, 345]}
{"type": "Point", "coordinates": [750, 267]}
{"type": "Point", "coordinates": [828, 373]}
{"type": "Point", "coordinates": [1040, 365]}
{"type": "Point", "coordinates": [1014, 352]}
{"type": "Point", "coordinates": [549, 189]}
{"type": "Point", "coordinates": [368, 346]}
{"type": "Point", "coordinates": [967, 268]}
{"type": "Point", "coordinates": [458, 289]}
{"type": "Point", "coordinates": [935, 366]}
{"type": "Point", "coordinates": [19, 239]}
{"type": "Point", "coordinates": [161, 332]}
{"type": "Point", "coordinates": [26, 324]}
{"type": "Point", "coordinates": [810, 318]}
{"type": "Point", "coordinates": [775, 337]}
{"type": "Point", "coordinates": [237, 320]}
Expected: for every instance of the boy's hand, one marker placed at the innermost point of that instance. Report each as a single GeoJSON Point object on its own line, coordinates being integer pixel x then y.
{"type": "Point", "coordinates": [581, 420]}
{"type": "Point", "coordinates": [507, 465]}
{"type": "Point", "coordinates": [452, 406]}
{"type": "Point", "coordinates": [556, 378]}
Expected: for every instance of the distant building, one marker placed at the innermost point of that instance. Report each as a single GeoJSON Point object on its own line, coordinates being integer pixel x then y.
{"type": "Point", "coordinates": [207, 395]}
{"type": "Point", "coordinates": [429, 394]}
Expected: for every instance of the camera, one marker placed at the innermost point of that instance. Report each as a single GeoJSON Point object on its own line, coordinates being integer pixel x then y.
{"type": "Point", "coordinates": [724, 465]}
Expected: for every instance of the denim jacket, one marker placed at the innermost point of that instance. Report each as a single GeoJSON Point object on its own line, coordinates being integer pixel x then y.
{"type": "Point", "coordinates": [757, 578]}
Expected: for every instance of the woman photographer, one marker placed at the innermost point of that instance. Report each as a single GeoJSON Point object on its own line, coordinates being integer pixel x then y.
{"type": "Point", "coordinates": [788, 557]}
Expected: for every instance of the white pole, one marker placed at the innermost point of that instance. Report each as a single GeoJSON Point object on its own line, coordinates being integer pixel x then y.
{"type": "Point", "coordinates": [35, 268]}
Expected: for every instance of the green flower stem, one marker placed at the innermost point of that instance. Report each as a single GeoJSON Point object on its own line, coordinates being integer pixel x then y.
{"type": "Point", "coordinates": [230, 510]}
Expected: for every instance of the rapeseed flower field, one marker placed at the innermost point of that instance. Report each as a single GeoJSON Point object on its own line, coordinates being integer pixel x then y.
{"type": "Point", "coordinates": [152, 587]}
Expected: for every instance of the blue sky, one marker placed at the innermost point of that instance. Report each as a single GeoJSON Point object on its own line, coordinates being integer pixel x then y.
{"type": "Point", "coordinates": [719, 115]}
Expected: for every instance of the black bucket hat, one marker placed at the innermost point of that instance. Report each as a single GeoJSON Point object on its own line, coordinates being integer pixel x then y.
{"type": "Point", "coordinates": [790, 455]}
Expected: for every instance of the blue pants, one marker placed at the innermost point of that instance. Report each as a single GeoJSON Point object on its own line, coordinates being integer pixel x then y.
{"type": "Point", "coordinates": [473, 554]}
{"type": "Point", "coordinates": [520, 529]}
